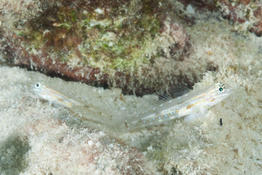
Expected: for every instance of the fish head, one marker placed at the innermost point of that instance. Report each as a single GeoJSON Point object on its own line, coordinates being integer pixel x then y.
{"type": "Point", "coordinates": [37, 87]}
{"type": "Point", "coordinates": [43, 91]}
{"type": "Point", "coordinates": [217, 94]}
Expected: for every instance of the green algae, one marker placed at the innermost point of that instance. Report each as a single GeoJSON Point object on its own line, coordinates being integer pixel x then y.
{"type": "Point", "coordinates": [108, 38]}
{"type": "Point", "coordinates": [125, 44]}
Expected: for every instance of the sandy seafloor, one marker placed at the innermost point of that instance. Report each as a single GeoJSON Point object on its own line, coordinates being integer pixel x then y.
{"type": "Point", "coordinates": [37, 137]}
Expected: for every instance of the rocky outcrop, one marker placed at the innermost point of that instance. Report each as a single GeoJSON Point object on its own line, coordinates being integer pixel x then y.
{"type": "Point", "coordinates": [246, 14]}
{"type": "Point", "coordinates": [132, 45]}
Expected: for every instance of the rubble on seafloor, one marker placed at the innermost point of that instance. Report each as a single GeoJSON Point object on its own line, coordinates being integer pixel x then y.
{"type": "Point", "coordinates": [246, 15]}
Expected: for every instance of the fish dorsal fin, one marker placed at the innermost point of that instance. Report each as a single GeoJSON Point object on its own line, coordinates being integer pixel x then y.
{"type": "Point", "coordinates": [166, 97]}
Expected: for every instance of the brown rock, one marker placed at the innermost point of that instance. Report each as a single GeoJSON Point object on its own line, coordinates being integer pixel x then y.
{"type": "Point", "coordinates": [243, 11]}
{"type": "Point", "coordinates": [139, 50]}
{"type": "Point", "coordinates": [257, 29]}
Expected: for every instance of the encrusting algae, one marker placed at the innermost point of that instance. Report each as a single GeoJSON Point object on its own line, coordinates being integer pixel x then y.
{"type": "Point", "coordinates": [133, 45]}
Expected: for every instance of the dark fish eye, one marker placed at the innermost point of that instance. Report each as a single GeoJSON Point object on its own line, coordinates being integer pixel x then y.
{"type": "Point", "coordinates": [37, 85]}
{"type": "Point", "coordinates": [220, 89]}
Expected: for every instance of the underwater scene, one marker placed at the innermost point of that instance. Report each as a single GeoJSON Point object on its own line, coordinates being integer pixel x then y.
{"type": "Point", "coordinates": [130, 87]}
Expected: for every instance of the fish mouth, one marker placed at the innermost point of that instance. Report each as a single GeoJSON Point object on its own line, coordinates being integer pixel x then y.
{"type": "Point", "coordinates": [225, 94]}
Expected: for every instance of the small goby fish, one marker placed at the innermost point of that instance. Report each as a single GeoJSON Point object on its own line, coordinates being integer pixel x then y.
{"type": "Point", "coordinates": [53, 96]}
{"type": "Point", "coordinates": [78, 109]}
{"type": "Point", "coordinates": [190, 106]}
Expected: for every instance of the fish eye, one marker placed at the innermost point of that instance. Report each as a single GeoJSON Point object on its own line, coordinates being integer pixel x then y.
{"type": "Point", "coordinates": [37, 85]}
{"type": "Point", "coordinates": [220, 89]}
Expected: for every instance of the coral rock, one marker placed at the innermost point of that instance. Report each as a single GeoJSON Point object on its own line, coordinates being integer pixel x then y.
{"type": "Point", "coordinates": [132, 45]}
{"type": "Point", "coordinates": [245, 14]}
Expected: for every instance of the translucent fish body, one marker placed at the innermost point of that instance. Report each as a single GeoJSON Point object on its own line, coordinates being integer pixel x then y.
{"type": "Point", "coordinates": [53, 96]}
{"type": "Point", "coordinates": [190, 105]}
{"type": "Point", "coordinates": [82, 111]}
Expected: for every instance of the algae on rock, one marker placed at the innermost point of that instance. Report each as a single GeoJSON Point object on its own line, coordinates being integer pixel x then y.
{"type": "Point", "coordinates": [131, 44]}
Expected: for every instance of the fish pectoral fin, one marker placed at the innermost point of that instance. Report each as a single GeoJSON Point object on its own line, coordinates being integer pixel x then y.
{"type": "Point", "coordinates": [194, 116]}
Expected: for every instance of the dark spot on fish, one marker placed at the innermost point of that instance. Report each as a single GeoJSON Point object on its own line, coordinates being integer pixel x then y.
{"type": "Point", "coordinates": [220, 122]}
